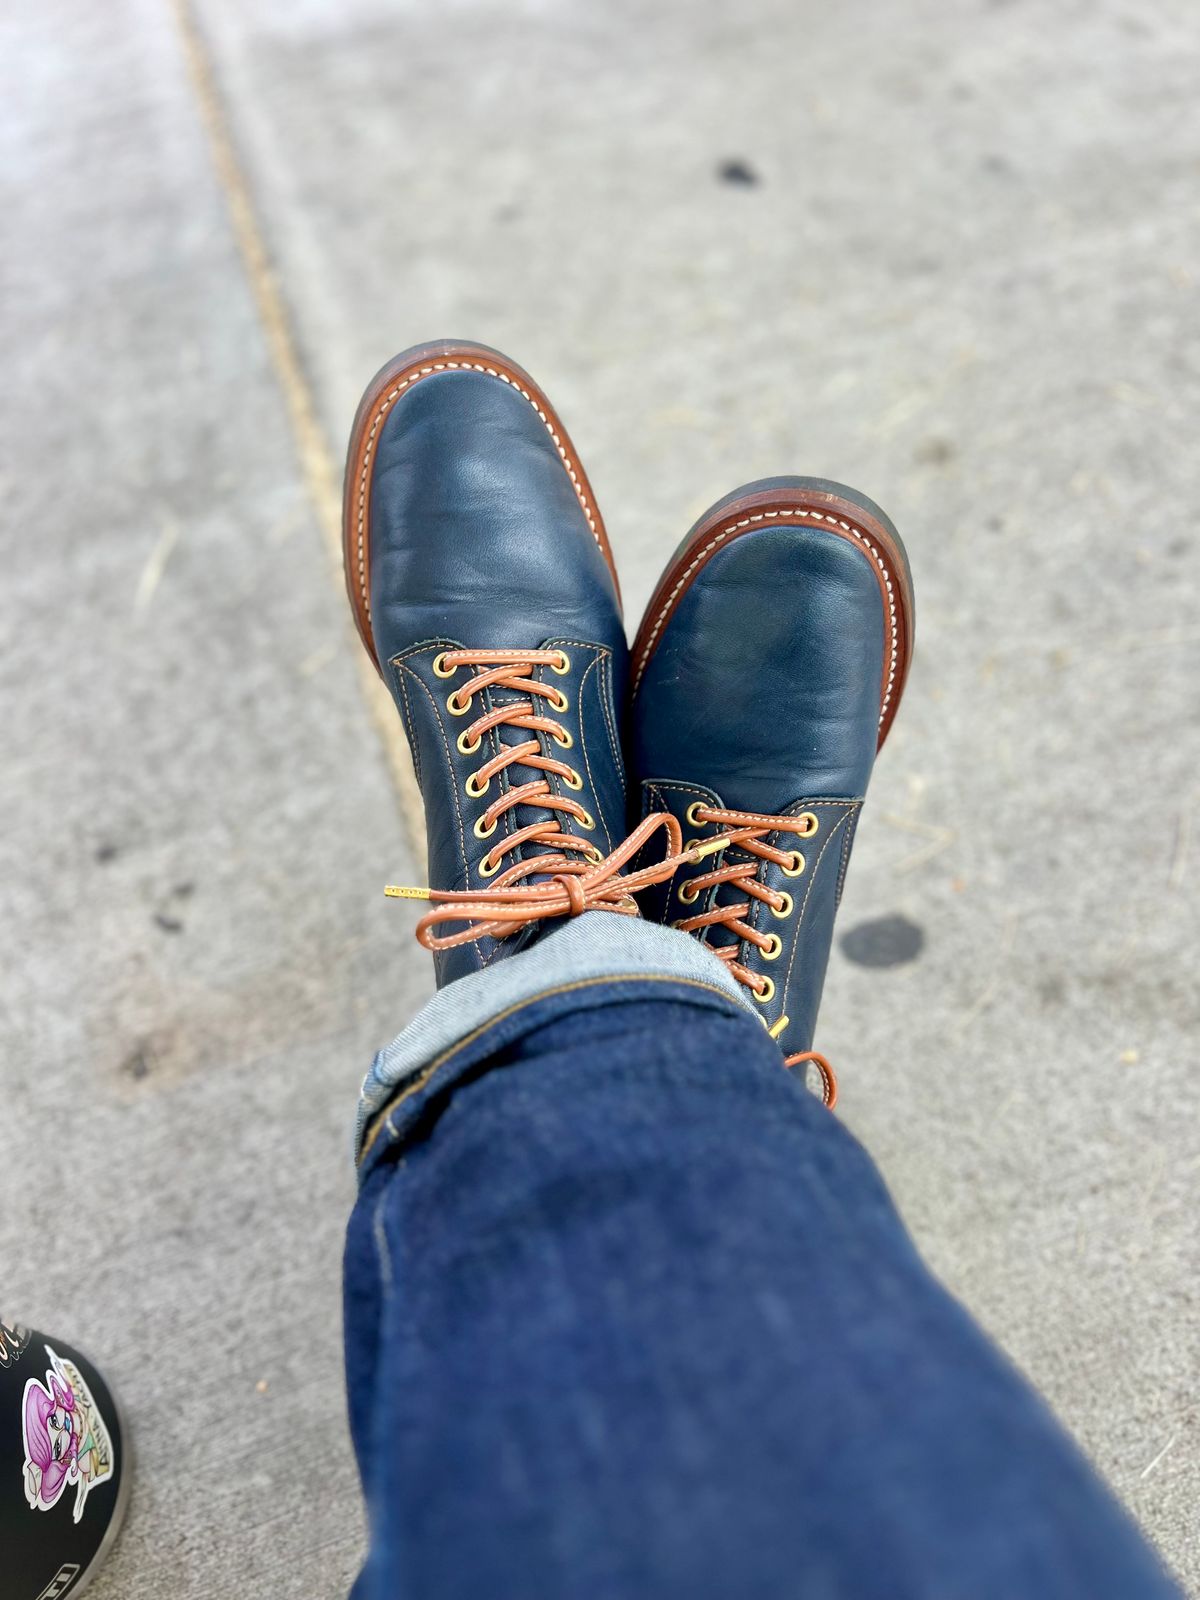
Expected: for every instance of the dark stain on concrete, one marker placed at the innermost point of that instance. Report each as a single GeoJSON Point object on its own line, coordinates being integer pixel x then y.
{"type": "Point", "coordinates": [935, 452]}
{"type": "Point", "coordinates": [1051, 990]}
{"type": "Point", "coordinates": [739, 173]}
{"type": "Point", "coordinates": [139, 1063]}
{"type": "Point", "coordinates": [884, 941]}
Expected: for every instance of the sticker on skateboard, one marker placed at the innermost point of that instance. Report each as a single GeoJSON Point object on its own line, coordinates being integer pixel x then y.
{"type": "Point", "coordinates": [67, 1444]}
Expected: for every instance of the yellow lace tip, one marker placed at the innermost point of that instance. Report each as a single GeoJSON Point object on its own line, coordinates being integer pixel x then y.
{"type": "Point", "coordinates": [699, 851]}
{"type": "Point", "coordinates": [395, 891]}
{"type": "Point", "coordinates": [778, 1028]}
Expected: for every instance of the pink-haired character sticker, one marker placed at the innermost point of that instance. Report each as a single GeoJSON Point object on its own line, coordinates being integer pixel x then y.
{"type": "Point", "coordinates": [66, 1442]}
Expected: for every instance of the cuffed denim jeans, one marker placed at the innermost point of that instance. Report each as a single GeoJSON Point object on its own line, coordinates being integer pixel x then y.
{"type": "Point", "coordinates": [631, 1316]}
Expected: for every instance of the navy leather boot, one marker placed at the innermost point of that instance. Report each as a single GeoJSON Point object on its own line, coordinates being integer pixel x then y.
{"type": "Point", "coordinates": [766, 674]}
{"type": "Point", "coordinates": [483, 587]}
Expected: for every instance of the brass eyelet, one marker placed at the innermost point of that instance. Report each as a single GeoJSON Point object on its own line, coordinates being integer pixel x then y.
{"type": "Point", "coordinates": [692, 844]}
{"type": "Point", "coordinates": [770, 952]}
{"type": "Point", "coordinates": [489, 872]}
{"type": "Point", "coordinates": [566, 664]}
{"type": "Point", "coordinates": [475, 788]}
{"type": "Point", "coordinates": [796, 867]}
{"type": "Point", "coordinates": [785, 910]}
{"type": "Point", "coordinates": [456, 710]}
{"type": "Point", "coordinates": [559, 702]}
{"type": "Point", "coordinates": [587, 822]}
{"type": "Point", "coordinates": [440, 669]}
{"type": "Point", "coordinates": [594, 854]}
{"type": "Point", "coordinates": [693, 821]}
{"type": "Point", "coordinates": [684, 895]}
{"type": "Point", "coordinates": [564, 738]}
{"type": "Point", "coordinates": [484, 833]}
{"type": "Point", "coordinates": [465, 748]}
{"type": "Point", "coordinates": [765, 996]}
{"type": "Point", "coordinates": [574, 781]}
{"type": "Point", "coordinates": [811, 823]}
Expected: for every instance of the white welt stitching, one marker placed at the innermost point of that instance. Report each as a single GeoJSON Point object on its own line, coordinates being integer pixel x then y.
{"type": "Point", "coordinates": [415, 377]}
{"type": "Point", "coordinates": [787, 516]}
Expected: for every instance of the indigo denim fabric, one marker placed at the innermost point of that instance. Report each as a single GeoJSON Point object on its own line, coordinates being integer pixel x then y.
{"type": "Point", "coordinates": [631, 1316]}
{"type": "Point", "coordinates": [599, 944]}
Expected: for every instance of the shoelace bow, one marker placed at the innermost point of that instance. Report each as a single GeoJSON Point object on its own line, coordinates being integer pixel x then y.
{"type": "Point", "coordinates": [746, 831]}
{"type": "Point", "coordinates": [577, 876]}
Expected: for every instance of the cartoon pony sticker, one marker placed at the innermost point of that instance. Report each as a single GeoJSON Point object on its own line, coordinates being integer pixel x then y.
{"type": "Point", "coordinates": [66, 1441]}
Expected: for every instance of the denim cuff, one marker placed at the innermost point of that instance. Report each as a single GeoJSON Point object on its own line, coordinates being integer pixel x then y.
{"type": "Point", "coordinates": [598, 949]}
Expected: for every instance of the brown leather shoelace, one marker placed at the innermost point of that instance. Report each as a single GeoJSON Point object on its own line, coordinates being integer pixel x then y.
{"type": "Point", "coordinates": [577, 876]}
{"type": "Point", "coordinates": [747, 830]}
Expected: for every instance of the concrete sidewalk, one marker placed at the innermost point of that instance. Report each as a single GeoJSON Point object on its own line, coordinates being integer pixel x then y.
{"type": "Point", "coordinates": [946, 254]}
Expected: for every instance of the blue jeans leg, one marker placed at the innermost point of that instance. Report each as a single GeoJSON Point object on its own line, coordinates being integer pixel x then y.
{"type": "Point", "coordinates": [631, 1316]}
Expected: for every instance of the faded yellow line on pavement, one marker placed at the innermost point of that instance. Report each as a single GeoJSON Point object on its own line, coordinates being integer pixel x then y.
{"type": "Point", "coordinates": [322, 477]}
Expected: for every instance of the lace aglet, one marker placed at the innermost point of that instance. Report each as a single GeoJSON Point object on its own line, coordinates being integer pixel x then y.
{"type": "Point", "coordinates": [778, 1028]}
{"type": "Point", "coordinates": [699, 851]}
{"type": "Point", "coordinates": [395, 891]}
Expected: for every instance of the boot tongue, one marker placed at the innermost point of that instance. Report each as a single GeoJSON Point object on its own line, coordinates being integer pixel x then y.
{"type": "Point", "coordinates": [518, 774]}
{"type": "Point", "coordinates": [730, 894]}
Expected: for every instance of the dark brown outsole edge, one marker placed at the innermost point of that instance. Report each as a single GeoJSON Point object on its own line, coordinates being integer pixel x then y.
{"type": "Point", "coordinates": [843, 514]}
{"type": "Point", "coordinates": [399, 374]}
